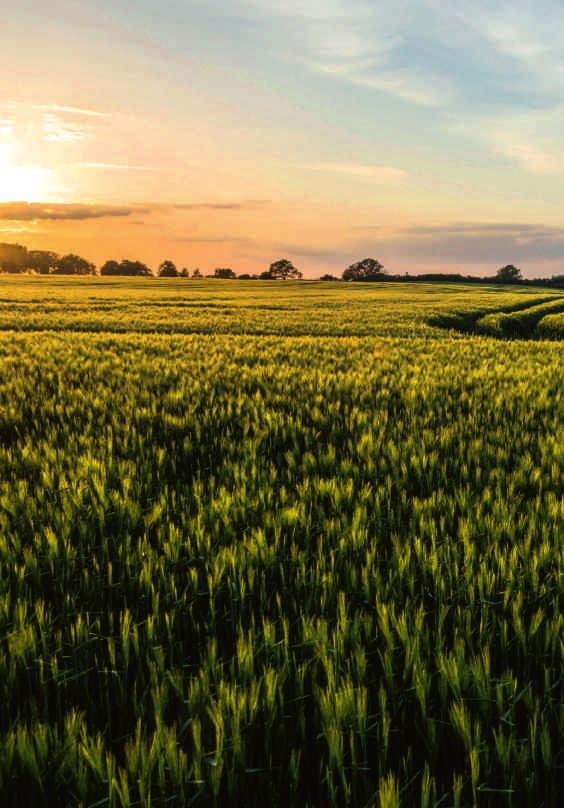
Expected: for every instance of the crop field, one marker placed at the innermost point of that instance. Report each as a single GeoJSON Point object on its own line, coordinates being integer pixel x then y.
{"type": "Point", "coordinates": [284, 544]}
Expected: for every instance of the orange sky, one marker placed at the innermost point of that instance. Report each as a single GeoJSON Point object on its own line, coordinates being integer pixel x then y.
{"type": "Point", "coordinates": [188, 133]}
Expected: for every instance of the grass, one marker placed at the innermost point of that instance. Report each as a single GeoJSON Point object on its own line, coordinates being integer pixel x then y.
{"type": "Point", "coordinates": [284, 542]}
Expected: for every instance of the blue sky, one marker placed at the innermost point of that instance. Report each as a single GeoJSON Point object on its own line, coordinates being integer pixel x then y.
{"type": "Point", "coordinates": [360, 128]}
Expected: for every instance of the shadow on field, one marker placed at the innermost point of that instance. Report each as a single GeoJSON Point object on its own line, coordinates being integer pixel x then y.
{"type": "Point", "coordinates": [522, 321]}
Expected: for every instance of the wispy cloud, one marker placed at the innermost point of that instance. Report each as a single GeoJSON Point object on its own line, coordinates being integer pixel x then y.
{"type": "Point", "coordinates": [32, 212]}
{"type": "Point", "coordinates": [67, 124]}
{"type": "Point", "coordinates": [472, 243]}
{"type": "Point", "coordinates": [379, 174]}
{"type": "Point", "coordinates": [6, 126]}
{"type": "Point", "coordinates": [360, 42]}
{"type": "Point", "coordinates": [249, 204]}
{"type": "Point", "coordinates": [534, 140]}
{"type": "Point", "coordinates": [57, 129]}
{"type": "Point", "coordinates": [65, 110]}
{"type": "Point", "coordinates": [18, 230]}
{"type": "Point", "coordinates": [485, 228]}
{"type": "Point", "coordinates": [113, 167]}
{"type": "Point", "coordinates": [219, 240]}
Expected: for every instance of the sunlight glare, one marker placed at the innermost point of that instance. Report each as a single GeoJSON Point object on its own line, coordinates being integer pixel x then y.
{"type": "Point", "coordinates": [23, 183]}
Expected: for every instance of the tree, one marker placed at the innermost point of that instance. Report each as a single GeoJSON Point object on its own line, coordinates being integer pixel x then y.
{"type": "Point", "coordinates": [366, 270]}
{"type": "Point", "coordinates": [508, 274]}
{"type": "Point", "coordinates": [73, 265]}
{"type": "Point", "coordinates": [197, 273]}
{"type": "Point", "coordinates": [282, 270]}
{"type": "Point", "coordinates": [42, 261]}
{"type": "Point", "coordinates": [184, 272]}
{"type": "Point", "coordinates": [110, 268]}
{"type": "Point", "coordinates": [224, 273]}
{"type": "Point", "coordinates": [168, 270]}
{"type": "Point", "coordinates": [246, 277]}
{"type": "Point", "coordinates": [328, 278]}
{"type": "Point", "coordinates": [13, 258]}
{"type": "Point", "coordinates": [126, 267]}
{"type": "Point", "coordinates": [137, 268]}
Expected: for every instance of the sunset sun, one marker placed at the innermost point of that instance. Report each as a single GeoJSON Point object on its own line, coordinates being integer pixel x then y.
{"type": "Point", "coordinates": [23, 183]}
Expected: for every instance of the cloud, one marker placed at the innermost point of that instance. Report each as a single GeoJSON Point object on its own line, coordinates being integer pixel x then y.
{"type": "Point", "coordinates": [33, 211]}
{"type": "Point", "coordinates": [362, 171]}
{"type": "Point", "coordinates": [473, 243]}
{"type": "Point", "coordinates": [359, 42]}
{"type": "Point", "coordinates": [81, 111]}
{"type": "Point", "coordinates": [327, 253]}
{"type": "Point", "coordinates": [404, 84]}
{"type": "Point", "coordinates": [113, 167]}
{"type": "Point", "coordinates": [63, 124]}
{"type": "Point", "coordinates": [6, 126]}
{"type": "Point", "coordinates": [212, 239]}
{"type": "Point", "coordinates": [460, 243]}
{"type": "Point", "coordinates": [528, 31]}
{"type": "Point", "coordinates": [57, 129]}
{"type": "Point", "coordinates": [18, 230]}
{"type": "Point", "coordinates": [534, 139]}
{"type": "Point", "coordinates": [249, 204]}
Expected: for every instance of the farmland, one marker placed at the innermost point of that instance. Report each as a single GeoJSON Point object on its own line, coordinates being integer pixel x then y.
{"type": "Point", "coordinates": [297, 543]}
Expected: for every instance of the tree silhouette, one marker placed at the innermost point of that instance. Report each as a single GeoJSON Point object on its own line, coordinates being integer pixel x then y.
{"type": "Point", "coordinates": [369, 269]}
{"type": "Point", "coordinates": [13, 258]}
{"type": "Point", "coordinates": [328, 278]}
{"type": "Point", "coordinates": [125, 267]}
{"type": "Point", "coordinates": [197, 273]}
{"type": "Point", "coordinates": [110, 268]}
{"type": "Point", "coordinates": [42, 261]}
{"type": "Point", "coordinates": [282, 270]}
{"type": "Point", "coordinates": [73, 265]}
{"type": "Point", "coordinates": [508, 274]}
{"type": "Point", "coordinates": [224, 273]}
{"type": "Point", "coordinates": [168, 270]}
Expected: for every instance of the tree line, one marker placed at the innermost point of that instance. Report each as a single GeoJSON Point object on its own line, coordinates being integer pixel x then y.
{"type": "Point", "coordinates": [15, 258]}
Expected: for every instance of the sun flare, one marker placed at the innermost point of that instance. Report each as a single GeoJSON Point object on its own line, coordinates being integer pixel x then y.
{"type": "Point", "coordinates": [23, 183]}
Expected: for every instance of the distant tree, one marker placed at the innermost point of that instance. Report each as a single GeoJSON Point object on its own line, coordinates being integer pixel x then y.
{"type": "Point", "coordinates": [184, 272]}
{"type": "Point", "coordinates": [42, 261]}
{"type": "Point", "coordinates": [328, 278]}
{"type": "Point", "coordinates": [13, 258]}
{"type": "Point", "coordinates": [111, 268]}
{"type": "Point", "coordinates": [197, 273]}
{"type": "Point", "coordinates": [366, 270]}
{"type": "Point", "coordinates": [508, 274]}
{"type": "Point", "coordinates": [224, 273]}
{"type": "Point", "coordinates": [168, 270]}
{"type": "Point", "coordinates": [125, 267]}
{"type": "Point", "coordinates": [74, 265]}
{"type": "Point", "coordinates": [137, 268]}
{"type": "Point", "coordinates": [246, 277]}
{"type": "Point", "coordinates": [282, 270]}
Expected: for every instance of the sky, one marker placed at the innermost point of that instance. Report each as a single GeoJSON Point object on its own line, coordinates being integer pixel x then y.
{"type": "Point", "coordinates": [428, 134]}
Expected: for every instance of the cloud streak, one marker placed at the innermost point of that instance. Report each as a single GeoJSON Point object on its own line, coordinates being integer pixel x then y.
{"type": "Point", "coordinates": [473, 243]}
{"type": "Point", "coordinates": [361, 43]}
{"type": "Point", "coordinates": [34, 212]}
{"type": "Point", "coordinates": [250, 204]}
{"type": "Point", "coordinates": [57, 129]}
{"type": "Point", "coordinates": [381, 174]}
{"type": "Point", "coordinates": [113, 167]}
{"type": "Point", "coordinates": [64, 110]}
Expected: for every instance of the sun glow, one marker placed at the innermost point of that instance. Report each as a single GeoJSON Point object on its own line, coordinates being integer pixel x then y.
{"type": "Point", "coordinates": [23, 183]}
